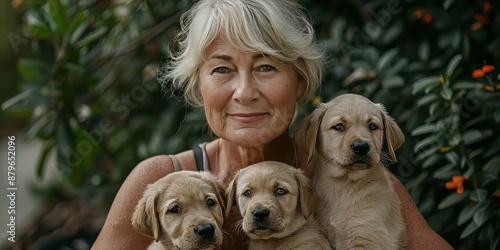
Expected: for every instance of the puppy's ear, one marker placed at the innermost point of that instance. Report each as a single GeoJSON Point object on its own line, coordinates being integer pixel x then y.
{"type": "Point", "coordinates": [221, 197]}
{"type": "Point", "coordinates": [305, 136]}
{"type": "Point", "coordinates": [308, 198]}
{"type": "Point", "coordinates": [145, 218]}
{"type": "Point", "coordinates": [393, 135]}
{"type": "Point", "coordinates": [231, 196]}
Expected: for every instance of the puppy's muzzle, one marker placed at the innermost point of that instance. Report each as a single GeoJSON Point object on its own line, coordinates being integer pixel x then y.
{"type": "Point", "coordinates": [360, 159]}
{"type": "Point", "coordinates": [205, 231]}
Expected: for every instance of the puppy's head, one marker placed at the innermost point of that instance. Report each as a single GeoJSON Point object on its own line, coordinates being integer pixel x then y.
{"type": "Point", "coordinates": [183, 210]}
{"type": "Point", "coordinates": [350, 132]}
{"type": "Point", "coordinates": [274, 198]}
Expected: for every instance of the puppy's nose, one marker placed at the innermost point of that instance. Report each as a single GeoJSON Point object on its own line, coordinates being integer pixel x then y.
{"type": "Point", "coordinates": [360, 147]}
{"type": "Point", "coordinates": [205, 230]}
{"type": "Point", "coordinates": [260, 213]}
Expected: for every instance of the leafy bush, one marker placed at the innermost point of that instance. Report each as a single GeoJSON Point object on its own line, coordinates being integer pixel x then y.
{"type": "Point", "coordinates": [90, 87]}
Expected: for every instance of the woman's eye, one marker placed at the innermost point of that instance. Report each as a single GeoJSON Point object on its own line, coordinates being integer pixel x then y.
{"type": "Point", "coordinates": [339, 127]}
{"type": "Point", "coordinates": [373, 126]}
{"type": "Point", "coordinates": [266, 68]}
{"type": "Point", "coordinates": [210, 202]}
{"type": "Point", "coordinates": [280, 191]}
{"type": "Point", "coordinates": [221, 70]}
{"type": "Point", "coordinates": [175, 209]}
{"type": "Point", "coordinates": [247, 193]}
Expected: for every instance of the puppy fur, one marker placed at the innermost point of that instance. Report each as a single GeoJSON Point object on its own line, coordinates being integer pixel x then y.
{"type": "Point", "coordinates": [183, 210]}
{"type": "Point", "coordinates": [277, 202]}
{"type": "Point", "coordinates": [359, 208]}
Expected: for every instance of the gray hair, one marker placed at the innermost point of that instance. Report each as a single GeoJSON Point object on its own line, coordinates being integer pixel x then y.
{"type": "Point", "coordinates": [279, 29]}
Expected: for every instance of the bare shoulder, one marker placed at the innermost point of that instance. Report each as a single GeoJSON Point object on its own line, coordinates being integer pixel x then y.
{"type": "Point", "coordinates": [420, 234]}
{"type": "Point", "coordinates": [117, 231]}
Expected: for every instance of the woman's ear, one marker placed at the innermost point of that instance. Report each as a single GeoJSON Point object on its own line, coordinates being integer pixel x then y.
{"type": "Point", "coordinates": [301, 88]}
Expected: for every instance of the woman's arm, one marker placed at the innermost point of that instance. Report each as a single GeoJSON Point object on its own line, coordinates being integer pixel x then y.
{"type": "Point", "coordinates": [117, 232]}
{"type": "Point", "coordinates": [420, 234]}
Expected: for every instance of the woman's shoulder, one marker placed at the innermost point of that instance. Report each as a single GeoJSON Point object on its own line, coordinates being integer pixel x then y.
{"type": "Point", "coordinates": [164, 164]}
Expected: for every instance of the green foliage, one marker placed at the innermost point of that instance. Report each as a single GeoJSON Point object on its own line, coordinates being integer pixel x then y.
{"type": "Point", "coordinates": [90, 87]}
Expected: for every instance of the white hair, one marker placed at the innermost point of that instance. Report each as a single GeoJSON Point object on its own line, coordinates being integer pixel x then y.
{"type": "Point", "coordinates": [279, 29]}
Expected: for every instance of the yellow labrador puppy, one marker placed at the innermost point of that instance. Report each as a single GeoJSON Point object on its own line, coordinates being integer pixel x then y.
{"type": "Point", "coordinates": [359, 208]}
{"type": "Point", "coordinates": [277, 202]}
{"type": "Point", "coordinates": [183, 210]}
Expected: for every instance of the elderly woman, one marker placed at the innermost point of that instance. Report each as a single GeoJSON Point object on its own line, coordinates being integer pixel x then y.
{"type": "Point", "coordinates": [249, 63]}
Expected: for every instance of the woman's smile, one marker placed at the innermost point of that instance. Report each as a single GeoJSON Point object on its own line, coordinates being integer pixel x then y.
{"type": "Point", "coordinates": [248, 117]}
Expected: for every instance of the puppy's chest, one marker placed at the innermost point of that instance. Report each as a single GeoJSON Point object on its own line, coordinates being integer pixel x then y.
{"type": "Point", "coordinates": [341, 200]}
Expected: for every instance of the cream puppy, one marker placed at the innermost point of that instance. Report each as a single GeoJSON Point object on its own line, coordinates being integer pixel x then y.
{"type": "Point", "coordinates": [352, 137]}
{"type": "Point", "coordinates": [277, 202]}
{"type": "Point", "coordinates": [183, 210]}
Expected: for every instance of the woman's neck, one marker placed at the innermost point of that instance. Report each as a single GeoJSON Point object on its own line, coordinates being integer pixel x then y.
{"type": "Point", "coordinates": [231, 157]}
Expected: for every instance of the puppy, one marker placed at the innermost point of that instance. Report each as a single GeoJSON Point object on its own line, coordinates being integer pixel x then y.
{"type": "Point", "coordinates": [359, 208]}
{"type": "Point", "coordinates": [183, 210]}
{"type": "Point", "coordinates": [277, 202]}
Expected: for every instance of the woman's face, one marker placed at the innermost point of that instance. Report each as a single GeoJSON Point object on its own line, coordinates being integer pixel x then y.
{"type": "Point", "coordinates": [249, 98]}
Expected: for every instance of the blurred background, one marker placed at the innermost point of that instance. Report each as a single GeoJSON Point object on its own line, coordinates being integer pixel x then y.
{"type": "Point", "coordinates": [79, 93]}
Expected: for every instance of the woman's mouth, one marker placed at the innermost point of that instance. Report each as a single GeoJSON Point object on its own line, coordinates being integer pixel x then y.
{"type": "Point", "coordinates": [247, 117]}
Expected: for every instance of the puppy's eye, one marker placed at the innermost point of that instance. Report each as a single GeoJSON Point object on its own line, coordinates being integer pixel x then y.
{"type": "Point", "coordinates": [210, 202]}
{"type": "Point", "coordinates": [247, 193]}
{"type": "Point", "coordinates": [280, 191]}
{"type": "Point", "coordinates": [339, 127]}
{"type": "Point", "coordinates": [373, 126]}
{"type": "Point", "coordinates": [175, 209]}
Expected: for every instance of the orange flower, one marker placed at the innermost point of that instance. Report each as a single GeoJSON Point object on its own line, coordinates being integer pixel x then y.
{"type": "Point", "coordinates": [427, 19]}
{"type": "Point", "coordinates": [477, 73]}
{"type": "Point", "coordinates": [457, 182]}
{"type": "Point", "coordinates": [488, 68]}
{"type": "Point", "coordinates": [316, 101]}
{"type": "Point", "coordinates": [497, 194]}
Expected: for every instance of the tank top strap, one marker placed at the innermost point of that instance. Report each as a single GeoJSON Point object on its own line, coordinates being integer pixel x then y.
{"type": "Point", "coordinates": [201, 158]}
{"type": "Point", "coordinates": [175, 162]}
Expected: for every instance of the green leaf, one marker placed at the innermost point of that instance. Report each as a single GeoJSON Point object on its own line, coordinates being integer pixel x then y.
{"type": "Point", "coordinates": [78, 21]}
{"type": "Point", "coordinates": [446, 173]}
{"type": "Point", "coordinates": [463, 85]}
{"type": "Point", "coordinates": [393, 82]}
{"type": "Point", "coordinates": [452, 199]}
{"type": "Point", "coordinates": [47, 148]}
{"type": "Point", "coordinates": [479, 195]}
{"type": "Point", "coordinates": [493, 165]}
{"type": "Point", "coordinates": [471, 228]}
{"type": "Point", "coordinates": [473, 136]}
{"type": "Point", "coordinates": [425, 143]}
{"type": "Point", "coordinates": [447, 4]}
{"type": "Point", "coordinates": [423, 51]}
{"type": "Point", "coordinates": [446, 93]}
{"type": "Point", "coordinates": [452, 65]}
{"type": "Point", "coordinates": [423, 155]}
{"type": "Point", "coordinates": [425, 83]}
{"type": "Point", "coordinates": [96, 34]}
{"type": "Point", "coordinates": [58, 13]}
{"type": "Point", "coordinates": [385, 59]}
{"type": "Point", "coordinates": [467, 213]}
{"type": "Point", "coordinates": [424, 129]}
{"type": "Point", "coordinates": [426, 99]}
{"type": "Point", "coordinates": [16, 99]}
{"type": "Point", "coordinates": [482, 215]}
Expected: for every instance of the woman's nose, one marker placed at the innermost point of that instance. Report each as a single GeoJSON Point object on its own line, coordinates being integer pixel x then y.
{"type": "Point", "coordinates": [246, 89]}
